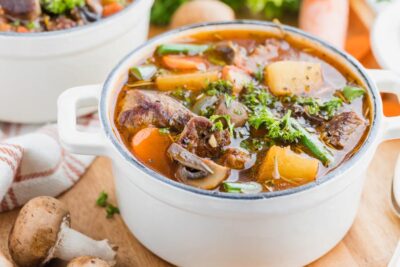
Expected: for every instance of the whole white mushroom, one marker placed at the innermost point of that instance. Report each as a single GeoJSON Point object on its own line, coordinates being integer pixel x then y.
{"type": "Point", "coordinates": [199, 11]}
{"type": "Point", "coordinates": [87, 261]}
{"type": "Point", "coordinates": [42, 232]}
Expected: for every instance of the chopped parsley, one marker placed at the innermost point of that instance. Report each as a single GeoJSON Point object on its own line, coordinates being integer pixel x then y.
{"type": "Point", "coordinates": [228, 100]}
{"type": "Point", "coordinates": [254, 144]}
{"type": "Point", "coordinates": [111, 210]}
{"type": "Point", "coordinates": [184, 96]}
{"type": "Point", "coordinates": [330, 107]}
{"type": "Point", "coordinates": [102, 199]}
{"type": "Point", "coordinates": [102, 202]}
{"type": "Point", "coordinates": [257, 97]}
{"type": "Point", "coordinates": [58, 7]}
{"type": "Point", "coordinates": [352, 92]}
{"type": "Point", "coordinates": [218, 125]}
{"type": "Point", "coordinates": [218, 88]}
{"type": "Point", "coordinates": [278, 129]}
{"type": "Point", "coordinates": [313, 106]}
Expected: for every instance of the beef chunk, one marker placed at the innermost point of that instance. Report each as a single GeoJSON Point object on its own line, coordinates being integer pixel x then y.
{"type": "Point", "coordinates": [199, 138]}
{"type": "Point", "coordinates": [22, 9]}
{"type": "Point", "coordinates": [61, 23]}
{"type": "Point", "coordinates": [143, 108]}
{"type": "Point", "coordinates": [343, 128]}
{"type": "Point", "coordinates": [235, 158]}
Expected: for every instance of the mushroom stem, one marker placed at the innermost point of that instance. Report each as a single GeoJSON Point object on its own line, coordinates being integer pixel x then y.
{"type": "Point", "coordinates": [4, 262]}
{"type": "Point", "coordinates": [72, 244]}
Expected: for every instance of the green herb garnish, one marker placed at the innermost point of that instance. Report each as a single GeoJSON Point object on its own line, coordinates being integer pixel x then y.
{"type": "Point", "coordinates": [58, 7]}
{"type": "Point", "coordinates": [111, 210]}
{"type": "Point", "coordinates": [352, 92]}
{"type": "Point", "coordinates": [257, 97]}
{"type": "Point", "coordinates": [102, 202]}
{"type": "Point", "coordinates": [184, 96]}
{"type": "Point", "coordinates": [218, 88]}
{"type": "Point", "coordinates": [218, 124]}
{"type": "Point", "coordinates": [278, 129]}
{"type": "Point", "coordinates": [102, 199]}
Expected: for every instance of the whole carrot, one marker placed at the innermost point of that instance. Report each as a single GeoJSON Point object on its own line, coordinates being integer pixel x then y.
{"type": "Point", "coordinates": [327, 19]}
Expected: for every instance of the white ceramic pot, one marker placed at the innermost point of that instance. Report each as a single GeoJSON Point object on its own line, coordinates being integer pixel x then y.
{"type": "Point", "coordinates": [35, 68]}
{"type": "Point", "coordinates": [192, 227]}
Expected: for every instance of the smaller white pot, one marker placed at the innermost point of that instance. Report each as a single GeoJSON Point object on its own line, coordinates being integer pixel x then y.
{"type": "Point", "coordinates": [35, 68]}
{"type": "Point", "coordinates": [193, 227]}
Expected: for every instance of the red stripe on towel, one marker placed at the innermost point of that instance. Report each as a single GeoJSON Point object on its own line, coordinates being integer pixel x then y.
{"type": "Point", "coordinates": [9, 163]}
{"type": "Point", "coordinates": [10, 152]}
{"type": "Point", "coordinates": [33, 175]}
{"type": "Point", "coordinates": [13, 197]}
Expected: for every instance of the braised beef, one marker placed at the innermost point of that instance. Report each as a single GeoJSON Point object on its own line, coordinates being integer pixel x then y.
{"type": "Point", "coordinates": [200, 138]}
{"type": "Point", "coordinates": [235, 158]}
{"type": "Point", "coordinates": [22, 9]}
{"type": "Point", "coordinates": [339, 130]}
{"type": "Point", "coordinates": [143, 108]}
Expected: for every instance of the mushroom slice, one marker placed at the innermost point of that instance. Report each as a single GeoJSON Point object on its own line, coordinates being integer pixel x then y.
{"type": "Point", "coordinates": [196, 171]}
{"type": "Point", "coordinates": [188, 159]}
{"type": "Point", "coordinates": [87, 261]}
{"type": "Point", "coordinates": [42, 232]}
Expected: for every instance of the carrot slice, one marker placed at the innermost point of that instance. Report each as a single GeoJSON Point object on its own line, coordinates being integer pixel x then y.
{"type": "Point", "coordinates": [150, 146]}
{"type": "Point", "coordinates": [111, 9]}
{"type": "Point", "coordinates": [178, 62]}
{"type": "Point", "coordinates": [22, 29]}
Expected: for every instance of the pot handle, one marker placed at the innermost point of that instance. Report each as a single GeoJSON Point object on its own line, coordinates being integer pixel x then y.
{"type": "Point", "coordinates": [388, 82]}
{"type": "Point", "coordinates": [75, 141]}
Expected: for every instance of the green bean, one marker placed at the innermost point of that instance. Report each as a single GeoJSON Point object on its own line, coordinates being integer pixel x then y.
{"type": "Point", "coordinates": [313, 144]}
{"type": "Point", "coordinates": [181, 48]}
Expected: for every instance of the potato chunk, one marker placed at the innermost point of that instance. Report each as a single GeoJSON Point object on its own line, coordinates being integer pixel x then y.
{"type": "Point", "coordinates": [293, 77]}
{"type": "Point", "coordinates": [191, 81]}
{"type": "Point", "coordinates": [283, 163]}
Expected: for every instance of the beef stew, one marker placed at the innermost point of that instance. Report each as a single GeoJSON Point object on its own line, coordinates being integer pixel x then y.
{"type": "Point", "coordinates": [242, 112]}
{"type": "Point", "coordinates": [52, 15]}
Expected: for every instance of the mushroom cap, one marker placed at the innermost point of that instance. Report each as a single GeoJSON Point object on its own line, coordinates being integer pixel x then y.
{"type": "Point", "coordinates": [87, 261]}
{"type": "Point", "coordinates": [199, 11]}
{"type": "Point", "coordinates": [35, 230]}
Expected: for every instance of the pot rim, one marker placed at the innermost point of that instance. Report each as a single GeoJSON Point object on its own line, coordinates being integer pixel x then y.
{"type": "Point", "coordinates": [120, 147]}
{"type": "Point", "coordinates": [92, 25]}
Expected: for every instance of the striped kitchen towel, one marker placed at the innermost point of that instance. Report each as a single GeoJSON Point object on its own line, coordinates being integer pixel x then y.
{"type": "Point", "coordinates": [33, 163]}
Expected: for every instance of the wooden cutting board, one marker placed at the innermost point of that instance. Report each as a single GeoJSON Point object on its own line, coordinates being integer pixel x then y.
{"type": "Point", "coordinates": [370, 242]}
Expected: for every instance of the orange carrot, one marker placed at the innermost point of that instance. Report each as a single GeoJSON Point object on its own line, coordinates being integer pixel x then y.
{"type": "Point", "coordinates": [22, 29]}
{"type": "Point", "coordinates": [326, 19]}
{"type": "Point", "coordinates": [5, 27]}
{"type": "Point", "coordinates": [178, 62]}
{"type": "Point", "coordinates": [111, 9]}
{"type": "Point", "coordinates": [150, 146]}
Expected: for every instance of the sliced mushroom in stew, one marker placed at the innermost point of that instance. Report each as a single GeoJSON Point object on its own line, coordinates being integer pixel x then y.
{"type": "Point", "coordinates": [242, 112]}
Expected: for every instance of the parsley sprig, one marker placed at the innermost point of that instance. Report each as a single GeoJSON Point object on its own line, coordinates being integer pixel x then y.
{"type": "Point", "coordinates": [110, 208]}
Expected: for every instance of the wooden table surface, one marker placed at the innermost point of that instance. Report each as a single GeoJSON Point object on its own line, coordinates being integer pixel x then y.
{"type": "Point", "coordinates": [370, 242]}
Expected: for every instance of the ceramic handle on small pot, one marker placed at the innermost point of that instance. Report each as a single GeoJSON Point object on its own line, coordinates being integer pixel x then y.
{"type": "Point", "coordinates": [388, 82]}
{"type": "Point", "coordinates": [74, 140]}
